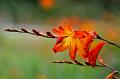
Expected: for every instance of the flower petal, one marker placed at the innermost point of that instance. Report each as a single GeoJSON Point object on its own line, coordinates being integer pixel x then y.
{"type": "Point", "coordinates": [59, 32]}
{"type": "Point", "coordinates": [86, 42]}
{"type": "Point", "coordinates": [59, 47]}
{"type": "Point", "coordinates": [81, 34]}
{"type": "Point", "coordinates": [81, 50]}
{"type": "Point", "coordinates": [61, 44]}
{"type": "Point", "coordinates": [72, 49]}
{"type": "Point", "coordinates": [60, 39]}
{"type": "Point", "coordinates": [63, 31]}
{"type": "Point", "coordinates": [68, 28]}
{"type": "Point", "coordinates": [93, 54]}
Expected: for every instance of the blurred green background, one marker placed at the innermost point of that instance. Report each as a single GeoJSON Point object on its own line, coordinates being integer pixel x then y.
{"type": "Point", "coordinates": [24, 56]}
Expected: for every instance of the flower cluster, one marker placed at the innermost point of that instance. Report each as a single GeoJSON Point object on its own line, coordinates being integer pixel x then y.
{"type": "Point", "coordinates": [77, 42]}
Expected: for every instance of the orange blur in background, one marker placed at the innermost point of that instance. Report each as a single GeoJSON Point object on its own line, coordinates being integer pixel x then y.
{"type": "Point", "coordinates": [47, 4]}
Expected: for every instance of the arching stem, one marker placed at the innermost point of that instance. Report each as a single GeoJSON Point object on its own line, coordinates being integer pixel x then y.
{"type": "Point", "coordinates": [110, 42]}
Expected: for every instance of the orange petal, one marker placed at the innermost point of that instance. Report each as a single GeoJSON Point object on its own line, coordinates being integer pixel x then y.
{"type": "Point", "coordinates": [86, 42]}
{"type": "Point", "coordinates": [81, 34]}
{"type": "Point", "coordinates": [60, 39]}
{"type": "Point", "coordinates": [63, 30]}
{"type": "Point", "coordinates": [68, 28]}
{"type": "Point", "coordinates": [93, 54]}
{"type": "Point", "coordinates": [81, 50]}
{"type": "Point", "coordinates": [59, 32]}
{"type": "Point", "coordinates": [72, 49]}
{"type": "Point", "coordinates": [60, 46]}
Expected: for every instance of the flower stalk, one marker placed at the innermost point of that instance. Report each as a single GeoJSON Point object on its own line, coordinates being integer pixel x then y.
{"type": "Point", "coordinates": [34, 32]}
{"type": "Point", "coordinates": [110, 42]}
{"type": "Point", "coordinates": [50, 35]}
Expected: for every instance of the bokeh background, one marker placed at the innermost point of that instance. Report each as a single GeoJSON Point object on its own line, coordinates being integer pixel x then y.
{"type": "Point", "coordinates": [24, 56]}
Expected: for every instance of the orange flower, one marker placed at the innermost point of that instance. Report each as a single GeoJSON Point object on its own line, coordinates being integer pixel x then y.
{"type": "Point", "coordinates": [66, 39]}
{"type": "Point", "coordinates": [77, 41]}
{"type": "Point", "coordinates": [73, 40]}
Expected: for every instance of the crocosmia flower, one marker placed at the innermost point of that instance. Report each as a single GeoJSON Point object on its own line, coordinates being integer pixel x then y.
{"type": "Point", "coordinates": [77, 42]}
{"type": "Point", "coordinates": [66, 39]}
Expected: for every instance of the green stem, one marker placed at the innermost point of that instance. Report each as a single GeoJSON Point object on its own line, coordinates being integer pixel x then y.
{"type": "Point", "coordinates": [110, 42]}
